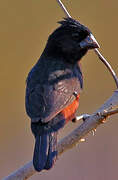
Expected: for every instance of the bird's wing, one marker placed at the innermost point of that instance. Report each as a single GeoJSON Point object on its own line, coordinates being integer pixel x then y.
{"type": "Point", "coordinates": [45, 101]}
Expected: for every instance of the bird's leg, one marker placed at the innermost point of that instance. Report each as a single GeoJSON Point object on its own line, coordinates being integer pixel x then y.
{"type": "Point", "coordinates": [83, 117]}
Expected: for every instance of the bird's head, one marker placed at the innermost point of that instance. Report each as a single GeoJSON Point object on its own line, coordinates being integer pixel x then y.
{"type": "Point", "coordinates": [71, 41]}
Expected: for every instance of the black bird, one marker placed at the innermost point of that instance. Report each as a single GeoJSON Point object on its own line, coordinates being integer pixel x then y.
{"type": "Point", "coordinates": [54, 85]}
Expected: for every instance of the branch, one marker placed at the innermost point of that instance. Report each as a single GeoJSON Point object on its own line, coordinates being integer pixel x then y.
{"type": "Point", "coordinates": [109, 108]}
{"type": "Point", "coordinates": [64, 8]}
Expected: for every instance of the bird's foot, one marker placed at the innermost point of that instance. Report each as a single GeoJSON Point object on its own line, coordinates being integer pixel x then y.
{"type": "Point", "coordinates": [82, 117]}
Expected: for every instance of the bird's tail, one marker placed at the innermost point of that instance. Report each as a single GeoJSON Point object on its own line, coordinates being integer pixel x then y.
{"type": "Point", "coordinates": [45, 151]}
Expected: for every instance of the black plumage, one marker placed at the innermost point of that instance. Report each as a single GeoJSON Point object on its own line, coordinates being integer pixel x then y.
{"type": "Point", "coordinates": [51, 87]}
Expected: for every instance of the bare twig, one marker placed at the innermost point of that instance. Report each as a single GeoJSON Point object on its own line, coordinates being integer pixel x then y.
{"type": "Point", "coordinates": [68, 142]}
{"type": "Point", "coordinates": [107, 65]}
{"type": "Point", "coordinates": [95, 50]}
{"type": "Point", "coordinates": [64, 8]}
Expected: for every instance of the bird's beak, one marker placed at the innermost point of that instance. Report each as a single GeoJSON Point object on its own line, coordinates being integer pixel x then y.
{"type": "Point", "coordinates": [89, 43]}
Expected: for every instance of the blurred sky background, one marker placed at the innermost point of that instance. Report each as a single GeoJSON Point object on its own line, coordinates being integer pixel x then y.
{"type": "Point", "coordinates": [24, 29]}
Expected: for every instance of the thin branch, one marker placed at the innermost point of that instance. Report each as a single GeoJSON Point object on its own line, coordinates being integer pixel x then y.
{"type": "Point", "coordinates": [64, 8]}
{"type": "Point", "coordinates": [107, 65]}
{"type": "Point", "coordinates": [101, 57]}
{"type": "Point", "coordinates": [109, 108]}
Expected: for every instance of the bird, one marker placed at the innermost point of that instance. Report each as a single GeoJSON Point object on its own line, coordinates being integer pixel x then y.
{"type": "Point", "coordinates": [53, 87]}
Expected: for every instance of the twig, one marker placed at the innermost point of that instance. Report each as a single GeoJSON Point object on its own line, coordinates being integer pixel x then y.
{"type": "Point", "coordinates": [64, 8]}
{"type": "Point", "coordinates": [95, 50]}
{"type": "Point", "coordinates": [109, 108]}
{"type": "Point", "coordinates": [107, 65]}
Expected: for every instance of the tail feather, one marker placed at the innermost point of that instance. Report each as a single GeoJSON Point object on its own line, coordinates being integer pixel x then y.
{"type": "Point", "coordinates": [52, 152]}
{"type": "Point", "coordinates": [45, 151]}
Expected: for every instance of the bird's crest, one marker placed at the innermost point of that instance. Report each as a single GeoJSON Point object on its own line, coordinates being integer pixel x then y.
{"type": "Point", "coordinates": [72, 23]}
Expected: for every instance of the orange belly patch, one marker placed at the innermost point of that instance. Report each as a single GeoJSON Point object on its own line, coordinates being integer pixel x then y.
{"type": "Point", "coordinates": [69, 111]}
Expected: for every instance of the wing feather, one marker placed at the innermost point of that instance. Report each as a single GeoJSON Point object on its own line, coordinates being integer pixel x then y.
{"type": "Point", "coordinates": [44, 100]}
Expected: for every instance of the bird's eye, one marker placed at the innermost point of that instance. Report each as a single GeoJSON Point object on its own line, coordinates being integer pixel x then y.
{"type": "Point", "coordinates": [75, 35]}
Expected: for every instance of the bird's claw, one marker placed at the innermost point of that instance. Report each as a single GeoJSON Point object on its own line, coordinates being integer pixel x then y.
{"type": "Point", "coordinates": [84, 118]}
